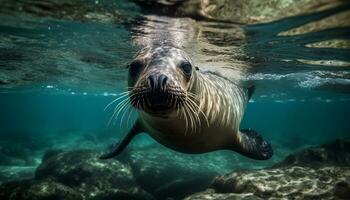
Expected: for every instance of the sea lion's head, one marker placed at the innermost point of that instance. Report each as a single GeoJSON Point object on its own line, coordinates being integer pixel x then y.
{"type": "Point", "coordinates": [160, 79]}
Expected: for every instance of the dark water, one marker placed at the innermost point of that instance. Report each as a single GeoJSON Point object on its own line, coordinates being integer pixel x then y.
{"type": "Point", "coordinates": [59, 71]}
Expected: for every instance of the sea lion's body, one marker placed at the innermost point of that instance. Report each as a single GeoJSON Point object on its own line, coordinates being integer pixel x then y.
{"type": "Point", "coordinates": [183, 107]}
{"type": "Point", "coordinates": [221, 101]}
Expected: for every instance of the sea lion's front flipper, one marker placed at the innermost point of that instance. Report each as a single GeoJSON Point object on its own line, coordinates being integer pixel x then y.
{"type": "Point", "coordinates": [252, 145]}
{"type": "Point", "coordinates": [118, 147]}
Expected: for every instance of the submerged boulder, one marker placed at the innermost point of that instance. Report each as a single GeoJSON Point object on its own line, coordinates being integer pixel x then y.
{"type": "Point", "coordinates": [166, 173]}
{"type": "Point", "coordinates": [321, 172]}
{"type": "Point", "coordinates": [154, 172]}
{"type": "Point", "coordinates": [38, 190]}
{"type": "Point", "coordinates": [334, 153]}
{"type": "Point", "coordinates": [169, 174]}
{"type": "Point", "coordinates": [140, 173]}
{"type": "Point", "coordinates": [12, 173]}
{"type": "Point", "coordinates": [288, 182]}
{"type": "Point", "coordinates": [79, 167]}
{"type": "Point", "coordinates": [78, 174]}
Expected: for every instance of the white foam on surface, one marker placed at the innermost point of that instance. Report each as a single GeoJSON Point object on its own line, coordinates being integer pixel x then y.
{"type": "Point", "coordinates": [312, 79]}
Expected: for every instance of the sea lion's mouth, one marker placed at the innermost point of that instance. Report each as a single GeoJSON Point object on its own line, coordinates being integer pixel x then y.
{"type": "Point", "coordinates": [157, 101]}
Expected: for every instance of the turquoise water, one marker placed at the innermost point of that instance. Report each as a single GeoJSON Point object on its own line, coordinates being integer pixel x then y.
{"type": "Point", "coordinates": [39, 113]}
{"type": "Point", "coordinates": [58, 74]}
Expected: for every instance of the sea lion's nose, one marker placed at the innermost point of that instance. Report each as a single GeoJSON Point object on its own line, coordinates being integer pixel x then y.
{"type": "Point", "coordinates": [157, 83]}
{"type": "Point", "coordinates": [152, 82]}
{"type": "Point", "coordinates": [162, 80]}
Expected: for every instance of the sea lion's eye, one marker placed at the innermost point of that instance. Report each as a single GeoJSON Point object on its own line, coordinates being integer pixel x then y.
{"type": "Point", "coordinates": [186, 68]}
{"type": "Point", "coordinates": [135, 67]}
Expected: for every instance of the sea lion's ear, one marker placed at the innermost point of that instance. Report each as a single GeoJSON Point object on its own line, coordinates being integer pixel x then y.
{"type": "Point", "coordinates": [197, 68]}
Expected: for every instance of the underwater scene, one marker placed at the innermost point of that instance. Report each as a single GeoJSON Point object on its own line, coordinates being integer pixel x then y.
{"type": "Point", "coordinates": [174, 99]}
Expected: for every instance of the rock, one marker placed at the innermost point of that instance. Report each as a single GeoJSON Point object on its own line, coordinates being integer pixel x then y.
{"type": "Point", "coordinates": [334, 153]}
{"type": "Point", "coordinates": [16, 151]}
{"type": "Point", "coordinates": [83, 166]}
{"type": "Point", "coordinates": [288, 182]}
{"type": "Point", "coordinates": [15, 173]}
{"type": "Point", "coordinates": [342, 190]}
{"type": "Point", "coordinates": [155, 172]}
{"type": "Point", "coordinates": [321, 172]}
{"type": "Point", "coordinates": [169, 171]}
{"type": "Point", "coordinates": [35, 190]}
{"type": "Point", "coordinates": [210, 194]}
{"type": "Point", "coordinates": [77, 174]}
{"type": "Point", "coordinates": [176, 175]}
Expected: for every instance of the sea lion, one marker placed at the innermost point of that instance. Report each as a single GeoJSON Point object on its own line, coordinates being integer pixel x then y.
{"type": "Point", "coordinates": [186, 109]}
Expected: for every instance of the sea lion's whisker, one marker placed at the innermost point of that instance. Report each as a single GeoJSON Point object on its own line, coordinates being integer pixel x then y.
{"type": "Point", "coordinates": [142, 102]}
{"type": "Point", "coordinates": [193, 124]}
{"type": "Point", "coordinates": [186, 120]}
{"type": "Point", "coordinates": [174, 100]}
{"type": "Point", "coordinates": [122, 93]}
{"type": "Point", "coordinates": [126, 109]}
{"type": "Point", "coordinates": [191, 94]}
{"type": "Point", "coordinates": [137, 103]}
{"type": "Point", "coordinates": [177, 110]}
{"type": "Point", "coordinates": [113, 101]}
{"type": "Point", "coordinates": [117, 110]}
{"type": "Point", "coordinates": [124, 120]}
{"type": "Point", "coordinates": [193, 105]}
{"type": "Point", "coordinates": [195, 97]}
{"type": "Point", "coordinates": [194, 115]}
{"type": "Point", "coordinates": [122, 110]}
{"type": "Point", "coordinates": [131, 110]}
{"type": "Point", "coordinates": [200, 110]}
{"type": "Point", "coordinates": [184, 109]}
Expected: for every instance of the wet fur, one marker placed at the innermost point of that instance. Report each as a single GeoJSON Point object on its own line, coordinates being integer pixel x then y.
{"type": "Point", "coordinates": [198, 113]}
{"type": "Point", "coordinates": [209, 122]}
